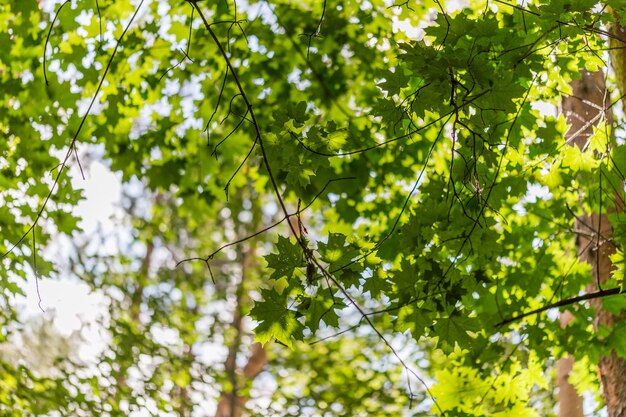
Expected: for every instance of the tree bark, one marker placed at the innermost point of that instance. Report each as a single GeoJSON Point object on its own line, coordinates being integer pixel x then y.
{"type": "Point", "coordinates": [586, 107]}
{"type": "Point", "coordinates": [570, 403]}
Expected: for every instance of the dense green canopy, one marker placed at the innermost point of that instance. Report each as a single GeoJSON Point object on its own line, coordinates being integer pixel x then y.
{"type": "Point", "coordinates": [379, 186]}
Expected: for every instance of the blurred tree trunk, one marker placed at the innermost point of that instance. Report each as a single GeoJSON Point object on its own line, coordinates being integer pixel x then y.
{"type": "Point", "coordinates": [234, 397]}
{"type": "Point", "coordinates": [612, 368]}
{"type": "Point", "coordinates": [583, 109]}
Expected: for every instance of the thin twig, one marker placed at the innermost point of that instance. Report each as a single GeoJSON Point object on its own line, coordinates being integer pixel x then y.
{"type": "Point", "coordinates": [35, 270]}
{"type": "Point", "coordinates": [45, 46]}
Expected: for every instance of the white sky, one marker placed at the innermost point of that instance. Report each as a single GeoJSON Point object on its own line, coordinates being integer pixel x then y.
{"type": "Point", "coordinates": [69, 301]}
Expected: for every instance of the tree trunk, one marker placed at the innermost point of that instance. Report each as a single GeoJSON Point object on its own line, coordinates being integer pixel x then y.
{"type": "Point", "coordinates": [570, 403]}
{"type": "Point", "coordinates": [585, 108]}
{"type": "Point", "coordinates": [232, 402]}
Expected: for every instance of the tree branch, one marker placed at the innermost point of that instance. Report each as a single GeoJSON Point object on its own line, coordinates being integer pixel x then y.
{"type": "Point", "coordinates": [562, 303]}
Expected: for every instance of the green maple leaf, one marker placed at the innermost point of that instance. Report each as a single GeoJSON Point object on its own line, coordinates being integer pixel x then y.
{"type": "Point", "coordinates": [618, 158]}
{"type": "Point", "coordinates": [455, 328]}
{"type": "Point", "coordinates": [276, 321]}
{"type": "Point", "coordinates": [376, 285]}
{"type": "Point", "coordinates": [322, 309]}
{"type": "Point", "coordinates": [414, 318]}
{"type": "Point", "coordinates": [337, 139]}
{"type": "Point", "coordinates": [288, 258]}
{"type": "Point", "coordinates": [336, 251]}
{"type": "Point", "coordinates": [577, 160]}
{"type": "Point", "coordinates": [394, 82]}
{"type": "Point", "coordinates": [297, 175]}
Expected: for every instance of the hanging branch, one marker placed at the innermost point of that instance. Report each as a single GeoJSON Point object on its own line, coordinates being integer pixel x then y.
{"type": "Point", "coordinates": [307, 253]}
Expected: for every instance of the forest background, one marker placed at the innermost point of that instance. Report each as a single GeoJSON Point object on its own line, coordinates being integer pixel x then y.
{"type": "Point", "coordinates": [326, 208]}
